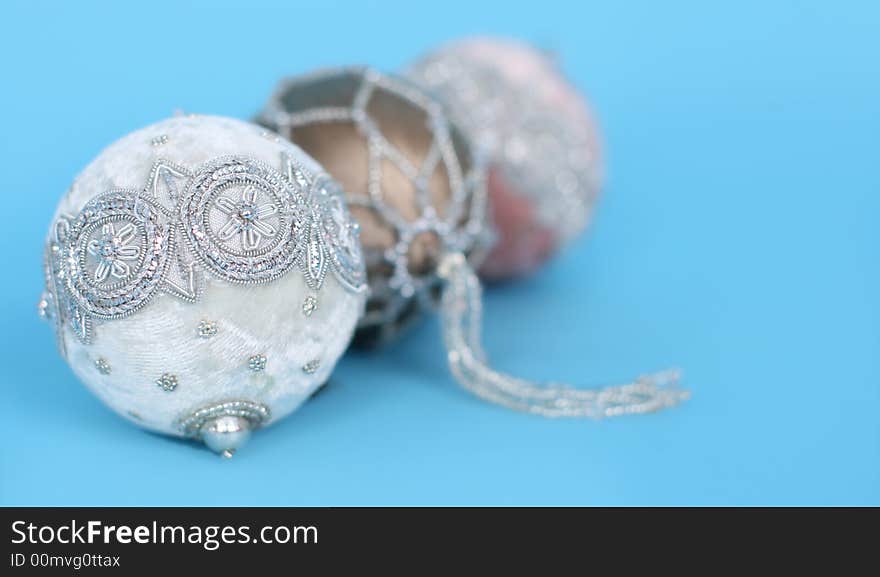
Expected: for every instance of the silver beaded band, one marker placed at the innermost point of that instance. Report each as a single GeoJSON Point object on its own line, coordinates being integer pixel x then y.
{"type": "Point", "coordinates": [235, 218]}
{"type": "Point", "coordinates": [255, 413]}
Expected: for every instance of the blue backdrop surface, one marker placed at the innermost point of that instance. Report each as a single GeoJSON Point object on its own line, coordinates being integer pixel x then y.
{"type": "Point", "coordinates": [737, 238]}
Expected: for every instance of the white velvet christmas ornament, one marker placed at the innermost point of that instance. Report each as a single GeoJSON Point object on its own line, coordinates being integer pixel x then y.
{"type": "Point", "coordinates": [203, 277]}
{"type": "Point", "coordinates": [545, 162]}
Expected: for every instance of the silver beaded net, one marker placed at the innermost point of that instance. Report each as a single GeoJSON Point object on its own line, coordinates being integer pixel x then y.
{"type": "Point", "coordinates": [411, 180]}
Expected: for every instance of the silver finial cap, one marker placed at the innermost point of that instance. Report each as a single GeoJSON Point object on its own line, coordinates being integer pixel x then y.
{"type": "Point", "coordinates": [225, 435]}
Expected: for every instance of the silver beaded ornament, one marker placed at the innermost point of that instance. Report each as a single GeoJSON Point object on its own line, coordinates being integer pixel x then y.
{"type": "Point", "coordinates": [325, 113]}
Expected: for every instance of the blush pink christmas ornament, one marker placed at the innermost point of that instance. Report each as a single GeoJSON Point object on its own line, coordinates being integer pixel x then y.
{"type": "Point", "coordinates": [541, 141]}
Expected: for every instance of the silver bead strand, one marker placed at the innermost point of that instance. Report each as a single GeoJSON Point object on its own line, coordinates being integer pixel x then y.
{"type": "Point", "coordinates": [461, 313]}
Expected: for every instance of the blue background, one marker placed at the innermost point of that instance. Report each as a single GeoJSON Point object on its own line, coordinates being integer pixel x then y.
{"type": "Point", "coordinates": [737, 239]}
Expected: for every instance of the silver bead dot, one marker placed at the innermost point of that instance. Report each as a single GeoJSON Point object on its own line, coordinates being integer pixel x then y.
{"type": "Point", "coordinates": [43, 308]}
{"type": "Point", "coordinates": [159, 140]}
{"type": "Point", "coordinates": [257, 363]}
{"type": "Point", "coordinates": [207, 329]}
{"type": "Point", "coordinates": [309, 305]}
{"type": "Point", "coordinates": [103, 366]}
{"type": "Point", "coordinates": [167, 382]}
{"type": "Point", "coordinates": [311, 366]}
